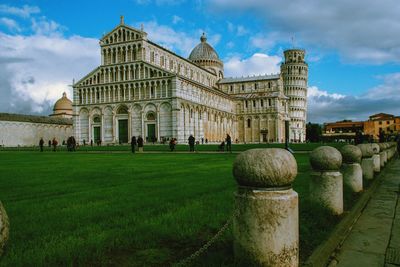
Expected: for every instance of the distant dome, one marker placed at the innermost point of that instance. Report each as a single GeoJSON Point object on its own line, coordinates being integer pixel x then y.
{"type": "Point", "coordinates": [203, 51]}
{"type": "Point", "coordinates": [205, 56]}
{"type": "Point", "coordinates": [63, 107]}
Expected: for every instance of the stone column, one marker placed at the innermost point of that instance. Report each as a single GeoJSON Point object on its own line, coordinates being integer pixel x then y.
{"type": "Point", "coordinates": [376, 158]}
{"type": "Point", "coordinates": [4, 228]}
{"type": "Point", "coordinates": [382, 154]}
{"type": "Point", "coordinates": [326, 184]}
{"type": "Point", "coordinates": [351, 168]}
{"type": "Point", "coordinates": [367, 163]}
{"type": "Point", "coordinates": [266, 225]}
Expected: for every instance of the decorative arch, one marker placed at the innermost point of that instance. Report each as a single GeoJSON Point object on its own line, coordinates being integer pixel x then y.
{"type": "Point", "coordinates": [122, 109]}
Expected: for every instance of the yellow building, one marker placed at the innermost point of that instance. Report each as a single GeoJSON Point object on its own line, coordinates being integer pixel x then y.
{"type": "Point", "coordinates": [381, 122]}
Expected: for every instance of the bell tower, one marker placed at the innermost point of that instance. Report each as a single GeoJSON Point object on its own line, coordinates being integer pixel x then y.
{"type": "Point", "coordinates": [294, 71]}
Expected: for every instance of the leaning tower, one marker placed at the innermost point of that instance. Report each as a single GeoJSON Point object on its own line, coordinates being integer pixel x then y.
{"type": "Point", "coordinates": [295, 76]}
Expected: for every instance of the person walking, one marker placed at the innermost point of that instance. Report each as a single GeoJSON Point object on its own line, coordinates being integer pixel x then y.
{"type": "Point", "coordinates": [228, 143]}
{"type": "Point", "coordinates": [140, 143]}
{"type": "Point", "coordinates": [381, 136]}
{"type": "Point", "coordinates": [54, 143]}
{"type": "Point", "coordinates": [172, 144]}
{"type": "Point", "coordinates": [133, 144]}
{"type": "Point", "coordinates": [191, 140]}
{"type": "Point", "coordinates": [41, 143]}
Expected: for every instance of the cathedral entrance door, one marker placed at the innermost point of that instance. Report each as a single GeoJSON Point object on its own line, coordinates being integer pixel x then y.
{"type": "Point", "coordinates": [96, 134]}
{"type": "Point", "coordinates": [151, 132]}
{"type": "Point", "coordinates": [123, 131]}
{"type": "Point", "coordinates": [264, 135]}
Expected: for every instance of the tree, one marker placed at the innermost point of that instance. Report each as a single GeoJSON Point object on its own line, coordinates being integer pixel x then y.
{"type": "Point", "coordinates": [313, 132]}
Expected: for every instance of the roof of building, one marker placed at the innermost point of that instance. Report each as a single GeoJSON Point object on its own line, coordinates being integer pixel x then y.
{"type": "Point", "coordinates": [203, 51]}
{"type": "Point", "coordinates": [343, 123]}
{"type": "Point", "coordinates": [381, 116]}
{"type": "Point", "coordinates": [63, 103]}
{"type": "Point", "coordinates": [34, 119]}
{"type": "Point", "coordinates": [249, 78]}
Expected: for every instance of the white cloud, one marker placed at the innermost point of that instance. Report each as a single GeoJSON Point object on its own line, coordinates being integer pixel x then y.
{"type": "Point", "coordinates": [255, 65]}
{"type": "Point", "coordinates": [167, 37]}
{"type": "Point", "coordinates": [328, 107]}
{"type": "Point", "coordinates": [36, 69]}
{"type": "Point", "coordinates": [390, 88]}
{"type": "Point", "coordinates": [24, 12]}
{"type": "Point", "coordinates": [11, 24]}
{"type": "Point", "coordinates": [43, 26]}
{"type": "Point", "coordinates": [314, 92]}
{"type": "Point", "coordinates": [360, 30]}
{"type": "Point", "coordinates": [239, 30]}
{"type": "Point", "coordinates": [230, 44]}
{"type": "Point", "coordinates": [176, 19]}
{"type": "Point", "coordinates": [180, 42]}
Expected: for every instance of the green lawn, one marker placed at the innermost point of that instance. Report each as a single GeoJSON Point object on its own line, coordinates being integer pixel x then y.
{"type": "Point", "coordinates": [128, 210]}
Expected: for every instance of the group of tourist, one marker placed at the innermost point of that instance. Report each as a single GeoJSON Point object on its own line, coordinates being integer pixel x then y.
{"type": "Point", "coordinates": [71, 144]}
{"type": "Point", "coordinates": [52, 143]}
{"type": "Point", "coordinates": [191, 141]}
{"type": "Point", "coordinates": [137, 142]}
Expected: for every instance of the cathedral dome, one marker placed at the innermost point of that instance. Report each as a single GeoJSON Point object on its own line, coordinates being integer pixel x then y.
{"type": "Point", "coordinates": [63, 107]}
{"type": "Point", "coordinates": [203, 51]}
{"type": "Point", "coordinates": [205, 56]}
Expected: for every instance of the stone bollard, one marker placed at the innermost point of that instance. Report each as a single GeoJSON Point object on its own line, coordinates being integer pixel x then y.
{"type": "Point", "coordinates": [385, 149]}
{"type": "Point", "coordinates": [351, 168]}
{"type": "Point", "coordinates": [4, 228]}
{"type": "Point", "coordinates": [326, 185]}
{"type": "Point", "coordinates": [382, 154]}
{"type": "Point", "coordinates": [376, 158]}
{"type": "Point", "coordinates": [367, 164]}
{"type": "Point", "coordinates": [391, 150]}
{"type": "Point", "coordinates": [387, 146]}
{"type": "Point", "coordinates": [266, 227]}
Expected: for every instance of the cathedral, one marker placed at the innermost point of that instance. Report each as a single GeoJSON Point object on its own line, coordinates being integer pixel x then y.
{"type": "Point", "coordinates": [143, 89]}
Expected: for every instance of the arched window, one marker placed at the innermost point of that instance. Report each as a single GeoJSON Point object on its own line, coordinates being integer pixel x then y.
{"type": "Point", "coordinates": [122, 110]}
{"type": "Point", "coordinates": [248, 123]}
{"type": "Point", "coordinates": [96, 119]}
{"type": "Point", "coordinates": [151, 116]}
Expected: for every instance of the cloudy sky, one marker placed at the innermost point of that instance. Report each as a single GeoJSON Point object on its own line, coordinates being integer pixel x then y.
{"type": "Point", "coordinates": [353, 47]}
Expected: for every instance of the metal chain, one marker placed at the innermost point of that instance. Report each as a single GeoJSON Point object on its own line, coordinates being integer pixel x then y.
{"type": "Point", "coordinates": [188, 260]}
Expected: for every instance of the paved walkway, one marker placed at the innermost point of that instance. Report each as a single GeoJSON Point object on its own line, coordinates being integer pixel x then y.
{"type": "Point", "coordinates": [375, 238]}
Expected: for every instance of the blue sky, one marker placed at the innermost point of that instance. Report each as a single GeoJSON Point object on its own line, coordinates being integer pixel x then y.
{"type": "Point", "coordinates": [353, 49]}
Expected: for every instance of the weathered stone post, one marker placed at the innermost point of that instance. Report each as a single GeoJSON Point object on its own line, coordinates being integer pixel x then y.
{"type": "Point", "coordinates": [376, 158]}
{"type": "Point", "coordinates": [4, 228]}
{"type": "Point", "coordinates": [326, 185]}
{"type": "Point", "coordinates": [382, 154]}
{"type": "Point", "coordinates": [388, 151]}
{"type": "Point", "coordinates": [367, 164]}
{"type": "Point", "coordinates": [351, 168]}
{"type": "Point", "coordinates": [266, 227]}
{"type": "Point", "coordinates": [392, 149]}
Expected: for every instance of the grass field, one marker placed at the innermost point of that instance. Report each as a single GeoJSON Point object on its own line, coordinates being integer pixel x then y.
{"type": "Point", "coordinates": [120, 209]}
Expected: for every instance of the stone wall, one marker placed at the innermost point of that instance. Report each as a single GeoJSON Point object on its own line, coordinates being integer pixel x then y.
{"type": "Point", "coordinates": [16, 133]}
